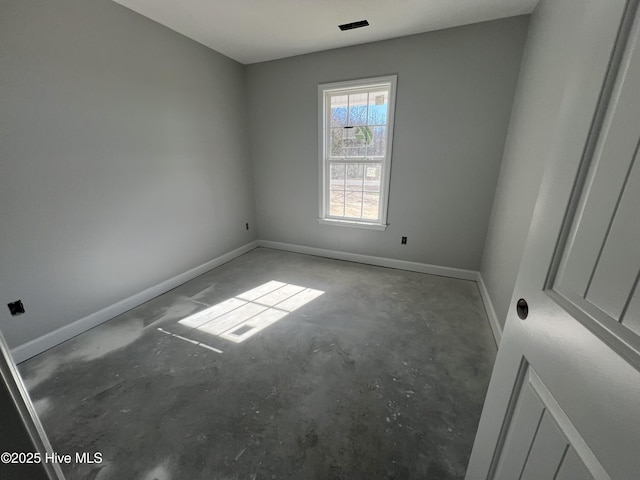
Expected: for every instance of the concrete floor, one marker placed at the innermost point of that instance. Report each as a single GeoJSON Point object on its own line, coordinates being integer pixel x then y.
{"type": "Point", "coordinates": [381, 376]}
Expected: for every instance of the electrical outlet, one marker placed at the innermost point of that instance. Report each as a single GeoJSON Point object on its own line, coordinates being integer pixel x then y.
{"type": "Point", "coordinates": [16, 308]}
{"type": "Point", "coordinates": [404, 240]}
{"type": "Point", "coordinates": [246, 225]}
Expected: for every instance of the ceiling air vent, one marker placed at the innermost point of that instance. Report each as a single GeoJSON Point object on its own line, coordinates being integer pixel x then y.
{"type": "Point", "coordinates": [352, 25]}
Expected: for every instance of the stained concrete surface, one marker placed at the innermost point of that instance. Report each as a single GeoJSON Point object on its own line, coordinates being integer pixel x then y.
{"type": "Point", "coordinates": [382, 376]}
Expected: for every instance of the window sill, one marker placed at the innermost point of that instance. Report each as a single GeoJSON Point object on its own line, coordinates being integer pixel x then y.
{"type": "Point", "coordinates": [349, 223]}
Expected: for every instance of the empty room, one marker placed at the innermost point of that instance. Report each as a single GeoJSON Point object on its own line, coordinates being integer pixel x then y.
{"type": "Point", "coordinates": [319, 240]}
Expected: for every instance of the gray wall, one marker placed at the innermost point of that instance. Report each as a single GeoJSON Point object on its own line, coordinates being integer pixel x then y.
{"type": "Point", "coordinates": [455, 92]}
{"type": "Point", "coordinates": [123, 159]}
{"type": "Point", "coordinates": [548, 73]}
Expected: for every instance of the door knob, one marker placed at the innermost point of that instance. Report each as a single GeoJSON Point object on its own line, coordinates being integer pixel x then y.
{"type": "Point", "coordinates": [522, 308]}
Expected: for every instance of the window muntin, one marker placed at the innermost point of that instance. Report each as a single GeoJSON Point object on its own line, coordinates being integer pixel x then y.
{"type": "Point", "coordinates": [356, 133]}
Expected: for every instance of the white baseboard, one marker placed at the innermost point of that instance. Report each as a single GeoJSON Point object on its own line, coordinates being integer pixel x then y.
{"type": "Point", "coordinates": [402, 265]}
{"type": "Point", "coordinates": [62, 334]}
{"type": "Point", "coordinates": [371, 260]}
{"type": "Point", "coordinates": [491, 313]}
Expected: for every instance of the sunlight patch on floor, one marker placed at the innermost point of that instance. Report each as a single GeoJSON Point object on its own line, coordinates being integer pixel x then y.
{"type": "Point", "coordinates": [244, 315]}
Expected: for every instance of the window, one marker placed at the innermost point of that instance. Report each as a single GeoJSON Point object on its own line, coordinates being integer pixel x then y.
{"type": "Point", "coordinates": [356, 130]}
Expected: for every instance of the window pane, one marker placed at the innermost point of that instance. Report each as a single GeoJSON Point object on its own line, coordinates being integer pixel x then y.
{"type": "Point", "coordinates": [372, 177]}
{"type": "Point", "coordinates": [338, 174]}
{"type": "Point", "coordinates": [378, 103]}
{"type": "Point", "coordinates": [371, 206]}
{"type": "Point", "coordinates": [357, 109]}
{"type": "Point", "coordinates": [337, 142]}
{"type": "Point", "coordinates": [339, 110]}
{"type": "Point", "coordinates": [364, 136]}
{"type": "Point", "coordinates": [355, 176]}
{"type": "Point", "coordinates": [353, 205]}
{"type": "Point", "coordinates": [378, 145]}
{"type": "Point", "coordinates": [336, 199]}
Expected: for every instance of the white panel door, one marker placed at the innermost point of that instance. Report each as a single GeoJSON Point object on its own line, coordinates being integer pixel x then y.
{"type": "Point", "coordinates": [564, 398]}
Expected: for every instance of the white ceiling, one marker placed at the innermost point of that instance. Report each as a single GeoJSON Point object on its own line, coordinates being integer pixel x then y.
{"type": "Point", "coordinates": [251, 31]}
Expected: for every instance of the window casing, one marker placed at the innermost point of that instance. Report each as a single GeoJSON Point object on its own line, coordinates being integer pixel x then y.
{"type": "Point", "coordinates": [355, 136]}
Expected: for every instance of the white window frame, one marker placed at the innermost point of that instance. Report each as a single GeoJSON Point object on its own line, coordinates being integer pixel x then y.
{"type": "Point", "coordinates": [324, 90]}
